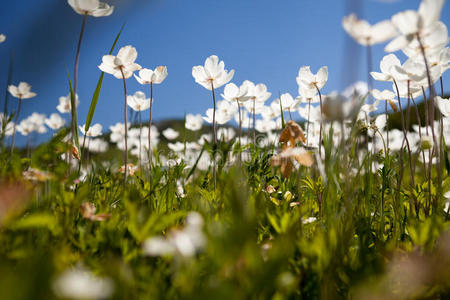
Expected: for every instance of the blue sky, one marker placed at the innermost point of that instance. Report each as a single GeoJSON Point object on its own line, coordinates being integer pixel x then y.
{"type": "Point", "coordinates": [263, 40]}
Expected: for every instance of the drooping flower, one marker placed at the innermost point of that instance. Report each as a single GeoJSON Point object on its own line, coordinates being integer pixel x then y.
{"type": "Point", "coordinates": [93, 8]}
{"type": "Point", "coordinates": [287, 157]}
{"type": "Point", "coordinates": [138, 102]}
{"type": "Point", "coordinates": [147, 76]}
{"type": "Point", "coordinates": [212, 74]}
{"type": "Point", "coordinates": [55, 121]}
{"type": "Point", "coordinates": [366, 34]}
{"type": "Point", "coordinates": [22, 91]}
{"type": "Point", "coordinates": [124, 63]}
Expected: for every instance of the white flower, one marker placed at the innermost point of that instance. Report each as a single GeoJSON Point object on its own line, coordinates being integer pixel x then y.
{"type": "Point", "coordinates": [123, 62]}
{"type": "Point", "coordinates": [444, 105]}
{"type": "Point", "coordinates": [287, 102]}
{"type": "Point", "coordinates": [65, 106]}
{"type": "Point", "coordinates": [2, 38]}
{"type": "Point", "coordinates": [309, 220]}
{"type": "Point", "coordinates": [356, 89]}
{"type": "Point", "coordinates": [226, 134]}
{"type": "Point", "coordinates": [257, 92]}
{"type": "Point", "coordinates": [22, 91]}
{"type": "Point", "coordinates": [307, 80]}
{"type": "Point", "coordinates": [234, 93]}
{"type": "Point", "coordinates": [93, 131]}
{"type": "Point", "coordinates": [386, 66]}
{"type": "Point", "coordinates": [138, 102]}
{"type": "Point", "coordinates": [9, 127]}
{"type": "Point", "coordinates": [385, 95]}
{"type": "Point", "coordinates": [82, 284]}
{"type": "Point", "coordinates": [410, 23]}
{"type": "Point", "coordinates": [176, 147]}
{"type": "Point", "coordinates": [147, 76]}
{"type": "Point", "coordinates": [212, 74]}
{"type": "Point", "coordinates": [184, 243]}
{"type": "Point", "coordinates": [193, 122]}
{"type": "Point", "coordinates": [55, 121]}
{"type": "Point", "coordinates": [170, 134]}
{"type": "Point", "coordinates": [221, 117]}
{"type": "Point", "coordinates": [366, 34]}
{"type": "Point", "coordinates": [93, 8]}
{"type": "Point", "coordinates": [97, 145]}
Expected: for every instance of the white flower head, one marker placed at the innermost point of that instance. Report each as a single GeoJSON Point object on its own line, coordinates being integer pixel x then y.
{"type": "Point", "coordinates": [366, 34]}
{"type": "Point", "coordinates": [65, 105]}
{"type": "Point", "coordinates": [55, 121]}
{"type": "Point", "coordinates": [147, 76]}
{"type": "Point", "coordinates": [170, 134]}
{"type": "Point", "coordinates": [22, 91]}
{"type": "Point", "coordinates": [124, 63]}
{"type": "Point", "coordinates": [307, 80]}
{"type": "Point", "coordinates": [2, 38]}
{"type": "Point", "coordinates": [212, 74]}
{"type": "Point", "coordinates": [138, 102]}
{"type": "Point", "coordinates": [93, 8]}
{"type": "Point", "coordinates": [193, 122]}
{"type": "Point", "coordinates": [93, 131]}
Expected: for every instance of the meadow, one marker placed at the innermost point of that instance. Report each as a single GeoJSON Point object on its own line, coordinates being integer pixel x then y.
{"type": "Point", "coordinates": [317, 196]}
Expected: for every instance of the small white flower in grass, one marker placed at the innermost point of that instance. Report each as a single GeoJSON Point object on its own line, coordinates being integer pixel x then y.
{"type": "Point", "coordinates": [65, 105]}
{"type": "Point", "coordinates": [212, 74]}
{"type": "Point", "coordinates": [93, 8]}
{"type": "Point", "coordinates": [55, 121]}
{"type": "Point", "coordinates": [93, 131]}
{"type": "Point", "coordinates": [2, 38]}
{"type": "Point", "coordinates": [82, 284]}
{"type": "Point", "coordinates": [138, 102]}
{"type": "Point", "coordinates": [170, 134]}
{"type": "Point", "coordinates": [22, 91]}
{"type": "Point", "coordinates": [185, 242]}
{"type": "Point", "coordinates": [176, 147]}
{"type": "Point", "coordinates": [193, 122]}
{"type": "Point", "coordinates": [226, 134]}
{"type": "Point", "coordinates": [125, 61]}
{"type": "Point", "coordinates": [147, 76]}
{"type": "Point", "coordinates": [444, 105]}
{"type": "Point", "coordinates": [366, 34]}
{"type": "Point", "coordinates": [309, 220]}
{"type": "Point", "coordinates": [98, 146]}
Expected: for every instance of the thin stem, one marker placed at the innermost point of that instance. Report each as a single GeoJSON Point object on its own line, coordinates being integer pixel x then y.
{"type": "Point", "coordinates": [140, 138]}
{"type": "Point", "coordinates": [240, 130]}
{"type": "Point", "coordinates": [215, 135]}
{"type": "Point", "coordinates": [150, 130]}
{"type": "Point", "coordinates": [125, 154]}
{"type": "Point", "coordinates": [369, 67]}
{"type": "Point", "coordinates": [19, 105]}
{"type": "Point", "coordinates": [320, 131]}
{"type": "Point", "coordinates": [75, 71]}
{"type": "Point", "coordinates": [254, 127]}
{"type": "Point", "coordinates": [387, 123]}
{"type": "Point", "coordinates": [307, 125]}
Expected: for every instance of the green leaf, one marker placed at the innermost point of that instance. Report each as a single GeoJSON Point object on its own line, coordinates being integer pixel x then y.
{"type": "Point", "coordinates": [98, 88]}
{"type": "Point", "coordinates": [281, 110]}
{"type": "Point", "coordinates": [74, 114]}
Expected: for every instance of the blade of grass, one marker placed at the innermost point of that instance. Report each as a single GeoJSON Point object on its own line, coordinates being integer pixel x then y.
{"type": "Point", "coordinates": [98, 88]}
{"type": "Point", "coordinates": [74, 114]}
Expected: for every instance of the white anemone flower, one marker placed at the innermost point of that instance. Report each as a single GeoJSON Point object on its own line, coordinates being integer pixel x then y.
{"type": "Point", "coordinates": [257, 92]}
{"type": "Point", "coordinates": [55, 121]}
{"type": "Point", "coordinates": [287, 102]}
{"type": "Point", "coordinates": [147, 76]}
{"type": "Point", "coordinates": [233, 93]}
{"type": "Point", "coordinates": [386, 66]}
{"type": "Point", "coordinates": [22, 91]}
{"type": "Point", "coordinates": [366, 34]}
{"type": "Point", "coordinates": [93, 8]}
{"type": "Point", "coordinates": [65, 105]}
{"type": "Point", "coordinates": [444, 105]}
{"type": "Point", "coordinates": [138, 102]}
{"type": "Point", "coordinates": [212, 74]}
{"type": "Point", "coordinates": [2, 38]}
{"type": "Point", "coordinates": [124, 63]}
{"type": "Point", "coordinates": [221, 116]}
{"type": "Point", "coordinates": [82, 284]}
{"type": "Point", "coordinates": [170, 134]}
{"type": "Point", "coordinates": [193, 122]}
{"type": "Point", "coordinates": [411, 23]}
{"type": "Point", "coordinates": [93, 131]}
{"type": "Point", "coordinates": [312, 81]}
